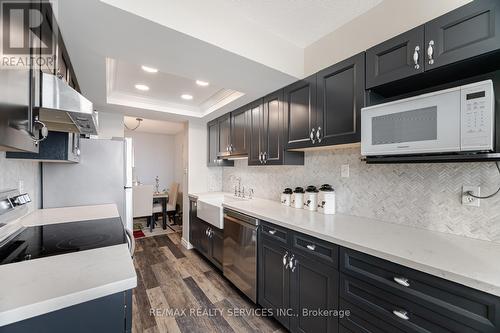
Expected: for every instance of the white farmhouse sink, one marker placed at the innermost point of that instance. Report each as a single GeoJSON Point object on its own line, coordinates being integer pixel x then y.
{"type": "Point", "coordinates": [210, 210]}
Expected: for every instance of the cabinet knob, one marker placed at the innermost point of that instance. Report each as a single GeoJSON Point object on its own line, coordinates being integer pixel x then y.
{"type": "Point", "coordinates": [318, 135]}
{"type": "Point", "coordinates": [285, 260]}
{"type": "Point", "coordinates": [401, 314]}
{"type": "Point", "coordinates": [264, 157]}
{"type": "Point", "coordinates": [416, 57]}
{"type": "Point", "coordinates": [430, 52]}
{"type": "Point", "coordinates": [402, 281]}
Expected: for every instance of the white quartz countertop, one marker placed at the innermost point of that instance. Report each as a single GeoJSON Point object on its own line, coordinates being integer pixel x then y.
{"type": "Point", "coordinates": [467, 261]}
{"type": "Point", "coordinates": [35, 287]}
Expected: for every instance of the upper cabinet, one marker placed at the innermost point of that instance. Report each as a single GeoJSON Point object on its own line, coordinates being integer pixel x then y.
{"type": "Point", "coordinates": [224, 135]}
{"type": "Point", "coordinates": [340, 97]}
{"type": "Point", "coordinates": [239, 138]}
{"type": "Point", "coordinates": [300, 112]}
{"type": "Point", "coordinates": [469, 31]}
{"type": "Point", "coordinates": [213, 145]}
{"type": "Point", "coordinates": [396, 58]}
{"type": "Point", "coordinates": [267, 121]}
{"type": "Point", "coordinates": [324, 109]}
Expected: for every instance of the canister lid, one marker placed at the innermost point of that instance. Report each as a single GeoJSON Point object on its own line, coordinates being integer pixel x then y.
{"type": "Point", "coordinates": [288, 191]}
{"type": "Point", "coordinates": [311, 188]}
{"type": "Point", "coordinates": [298, 190]}
{"type": "Point", "coordinates": [326, 188]}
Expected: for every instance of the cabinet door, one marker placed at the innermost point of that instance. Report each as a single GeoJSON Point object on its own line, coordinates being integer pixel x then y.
{"type": "Point", "coordinates": [216, 244]}
{"type": "Point", "coordinates": [213, 142]}
{"type": "Point", "coordinates": [313, 286]}
{"type": "Point", "coordinates": [239, 132]}
{"type": "Point", "coordinates": [224, 134]}
{"type": "Point", "coordinates": [255, 128]}
{"type": "Point", "coordinates": [341, 89]}
{"type": "Point", "coordinates": [203, 239]}
{"type": "Point", "coordinates": [272, 134]}
{"type": "Point", "coordinates": [394, 59]}
{"type": "Point", "coordinates": [468, 31]}
{"type": "Point", "coordinates": [273, 291]}
{"type": "Point", "coordinates": [300, 104]}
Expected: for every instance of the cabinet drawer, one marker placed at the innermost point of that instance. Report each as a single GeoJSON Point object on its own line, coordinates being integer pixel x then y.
{"type": "Point", "coordinates": [277, 233]}
{"type": "Point", "coordinates": [463, 305]}
{"type": "Point", "coordinates": [360, 321]}
{"type": "Point", "coordinates": [316, 248]}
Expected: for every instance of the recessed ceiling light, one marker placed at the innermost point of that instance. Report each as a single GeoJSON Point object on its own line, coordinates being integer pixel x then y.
{"type": "Point", "coordinates": [141, 87]}
{"type": "Point", "coordinates": [202, 83]}
{"type": "Point", "coordinates": [149, 69]}
{"type": "Point", "coordinates": [187, 97]}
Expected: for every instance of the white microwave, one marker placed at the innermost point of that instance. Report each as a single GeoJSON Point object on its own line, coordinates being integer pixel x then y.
{"type": "Point", "coordinates": [459, 119]}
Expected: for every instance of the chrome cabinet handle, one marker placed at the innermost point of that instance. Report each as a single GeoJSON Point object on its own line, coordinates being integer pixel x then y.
{"type": "Point", "coordinates": [285, 260]}
{"type": "Point", "coordinates": [402, 281]}
{"type": "Point", "coordinates": [264, 157]}
{"type": "Point", "coordinates": [311, 247]}
{"type": "Point", "coordinates": [272, 232]}
{"type": "Point", "coordinates": [430, 52]}
{"type": "Point", "coordinates": [293, 263]}
{"type": "Point", "coordinates": [206, 232]}
{"type": "Point", "coordinates": [318, 136]}
{"type": "Point", "coordinates": [311, 136]}
{"type": "Point", "coordinates": [416, 56]}
{"type": "Point", "coordinates": [401, 314]}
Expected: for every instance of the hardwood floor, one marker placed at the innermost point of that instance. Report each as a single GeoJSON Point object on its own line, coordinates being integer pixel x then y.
{"type": "Point", "coordinates": [186, 293]}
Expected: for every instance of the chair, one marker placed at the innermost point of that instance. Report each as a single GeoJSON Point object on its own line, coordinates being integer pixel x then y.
{"type": "Point", "coordinates": [143, 203]}
{"type": "Point", "coordinates": [172, 200]}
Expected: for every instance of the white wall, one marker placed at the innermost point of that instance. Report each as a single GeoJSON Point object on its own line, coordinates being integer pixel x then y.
{"type": "Point", "coordinates": [200, 177]}
{"type": "Point", "coordinates": [110, 125]}
{"type": "Point", "coordinates": [154, 155]}
{"type": "Point", "coordinates": [388, 19]}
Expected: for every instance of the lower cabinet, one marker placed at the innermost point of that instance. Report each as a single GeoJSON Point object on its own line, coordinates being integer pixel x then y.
{"type": "Point", "coordinates": [204, 237]}
{"type": "Point", "coordinates": [299, 289]}
{"type": "Point", "coordinates": [111, 314]}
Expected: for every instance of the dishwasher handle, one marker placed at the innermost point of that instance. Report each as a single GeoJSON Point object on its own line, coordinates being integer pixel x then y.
{"type": "Point", "coordinates": [239, 218]}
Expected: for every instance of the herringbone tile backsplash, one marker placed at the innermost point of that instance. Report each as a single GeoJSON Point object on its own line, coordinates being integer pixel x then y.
{"type": "Point", "coordinates": [421, 195]}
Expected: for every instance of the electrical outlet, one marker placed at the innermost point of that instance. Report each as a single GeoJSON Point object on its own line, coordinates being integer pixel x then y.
{"type": "Point", "coordinates": [467, 200]}
{"type": "Point", "coordinates": [344, 171]}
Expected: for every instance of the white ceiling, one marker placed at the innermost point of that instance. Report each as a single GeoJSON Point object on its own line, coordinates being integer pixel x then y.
{"type": "Point", "coordinates": [154, 126]}
{"type": "Point", "coordinates": [252, 47]}
{"type": "Point", "coordinates": [164, 92]}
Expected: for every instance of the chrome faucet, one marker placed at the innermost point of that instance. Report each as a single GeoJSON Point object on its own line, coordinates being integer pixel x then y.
{"type": "Point", "coordinates": [237, 190]}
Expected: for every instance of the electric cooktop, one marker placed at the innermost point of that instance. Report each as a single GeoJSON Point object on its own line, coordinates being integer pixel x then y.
{"type": "Point", "coordinates": [60, 238]}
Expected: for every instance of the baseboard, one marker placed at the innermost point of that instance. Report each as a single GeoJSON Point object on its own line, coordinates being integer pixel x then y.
{"type": "Point", "coordinates": [186, 244]}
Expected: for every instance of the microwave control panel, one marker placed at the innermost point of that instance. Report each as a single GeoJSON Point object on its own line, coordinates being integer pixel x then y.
{"type": "Point", "coordinates": [477, 116]}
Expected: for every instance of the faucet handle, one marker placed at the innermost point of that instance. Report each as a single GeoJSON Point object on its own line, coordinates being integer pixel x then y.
{"type": "Point", "coordinates": [250, 193]}
{"type": "Point", "coordinates": [243, 192]}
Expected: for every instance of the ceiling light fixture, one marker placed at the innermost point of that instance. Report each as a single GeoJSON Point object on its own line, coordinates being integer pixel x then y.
{"type": "Point", "coordinates": [149, 69]}
{"type": "Point", "coordinates": [139, 120]}
{"type": "Point", "coordinates": [187, 97]}
{"type": "Point", "coordinates": [202, 83]}
{"type": "Point", "coordinates": [141, 87]}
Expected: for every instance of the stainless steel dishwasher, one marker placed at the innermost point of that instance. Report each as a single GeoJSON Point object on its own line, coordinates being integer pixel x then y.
{"type": "Point", "coordinates": [239, 263]}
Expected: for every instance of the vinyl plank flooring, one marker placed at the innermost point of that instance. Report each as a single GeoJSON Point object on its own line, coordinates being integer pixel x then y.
{"type": "Point", "coordinates": [174, 279]}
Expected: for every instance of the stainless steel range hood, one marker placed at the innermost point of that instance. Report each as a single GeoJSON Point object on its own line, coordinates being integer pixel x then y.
{"type": "Point", "coordinates": [63, 109]}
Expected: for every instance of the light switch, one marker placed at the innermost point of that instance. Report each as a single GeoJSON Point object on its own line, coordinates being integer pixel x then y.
{"type": "Point", "coordinates": [344, 171]}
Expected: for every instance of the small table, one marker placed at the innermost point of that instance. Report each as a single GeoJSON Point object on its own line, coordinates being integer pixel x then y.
{"type": "Point", "coordinates": [163, 198]}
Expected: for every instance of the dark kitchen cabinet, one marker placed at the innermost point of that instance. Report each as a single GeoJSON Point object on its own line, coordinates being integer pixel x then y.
{"type": "Point", "coordinates": [292, 283]}
{"type": "Point", "coordinates": [255, 127]}
{"type": "Point", "coordinates": [204, 237]}
{"type": "Point", "coordinates": [239, 139]}
{"type": "Point", "coordinates": [313, 286]}
{"type": "Point", "coordinates": [466, 32]}
{"type": "Point", "coordinates": [399, 57]}
{"type": "Point", "coordinates": [266, 123]}
{"type": "Point", "coordinates": [112, 313]}
{"type": "Point", "coordinates": [340, 97]}
{"type": "Point", "coordinates": [274, 279]}
{"type": "Point", "coordinates": [213, 145]}
{"type": "Point", "coordinates": [224, 134]}
{"type": "Point", "coordinates": [300, 112]}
